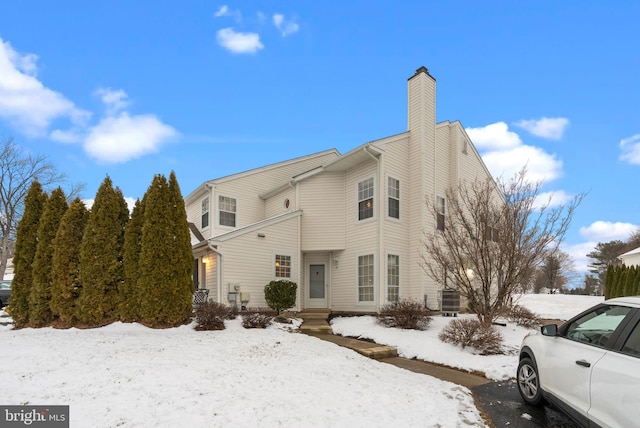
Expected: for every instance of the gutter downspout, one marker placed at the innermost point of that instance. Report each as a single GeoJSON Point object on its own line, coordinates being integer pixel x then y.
{"type": "Point", "coordinates": [379, 220]}
{"type": "Point", "coordinates": [219, 278]}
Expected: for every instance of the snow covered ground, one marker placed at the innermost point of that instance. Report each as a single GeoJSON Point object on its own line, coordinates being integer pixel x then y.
{"type": "Point", "coordinates": [132, 376]}
{"type": "Point", "coordinates": [425, 345]}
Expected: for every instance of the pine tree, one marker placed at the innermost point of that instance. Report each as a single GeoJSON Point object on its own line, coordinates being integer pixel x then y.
{"type": "Point", "coordinates": [130, 296]}
{"type": "Point", "coordinates": [620, 279]}
{"type": "Point", "coordinates": [636, 291]}
{"type": "Point", "coordinates": [26, 242]}
{"type": "Point", "coordinates": [101, 267]}
{"type": "Point", "coordinates": [39, 300]}
{"type": "Point", "coordinates": [165, 256]}
{"type": "Point", "coordinates": [66, 262]}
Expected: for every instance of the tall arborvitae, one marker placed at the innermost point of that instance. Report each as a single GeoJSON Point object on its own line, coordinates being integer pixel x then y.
{"type": "Point", "coordinates": [39, 300]}
{"type": "Point", "coordinates": [165, 275]}
{"type": "Point", "coordinates": [630, 280]}
{"type": "Point", "coordinates": [130, 297]}
{"type": "Point", "coordinates": [66, 262]}
{"type": "Point", "coordinates": [636, 290]}
{"type": "Point", "coordinates": [26, 242]}
{"type": "Point", "coordinates": [608, 282]}
{"type": "Point", "coordinates": [101, 268]}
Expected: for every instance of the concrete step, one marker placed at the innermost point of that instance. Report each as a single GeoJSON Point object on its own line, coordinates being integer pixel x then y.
{"type": "Point", "coordinates": [316, 326]}
{"type": "Point", "coordinates": [378, 352]}
{"type": "Point", "coordinates": [314, 315]}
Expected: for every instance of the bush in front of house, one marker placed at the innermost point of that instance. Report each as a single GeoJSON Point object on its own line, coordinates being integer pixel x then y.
{"type": "Point", "coordinates": [406, 314]}
{"type": "Point", "coordinates": [280, 295]}
{"type": "Point", "coordinates": [471, 332]}
{"type": "Point", "coordinates": [211, 315]}
{"type": "Point", "coordinates": [523, 317]}
{"type": "Point", "coordinates": [258, 317]}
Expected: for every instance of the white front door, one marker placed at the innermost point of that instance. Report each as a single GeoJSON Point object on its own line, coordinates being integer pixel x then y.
{"type": "Point", "coordinates": [317, 286]}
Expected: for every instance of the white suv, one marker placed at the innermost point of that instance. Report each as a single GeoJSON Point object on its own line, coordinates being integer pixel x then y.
{"type": "Point", "coordinates": [589, 367]}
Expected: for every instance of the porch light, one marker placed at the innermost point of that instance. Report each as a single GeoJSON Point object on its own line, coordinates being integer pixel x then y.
{"type": "Point", "coordinates": [205, 260]}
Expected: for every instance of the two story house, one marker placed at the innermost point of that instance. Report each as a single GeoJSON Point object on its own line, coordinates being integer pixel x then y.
{"type": "Point", "coordinates": [347, 228]}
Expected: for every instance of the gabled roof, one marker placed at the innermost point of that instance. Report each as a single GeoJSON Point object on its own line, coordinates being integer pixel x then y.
{"type": "Point", "coordinates": [360, 154]}
{"type": "Point", "coordinates": [209, 183]}
{"type": "Point", "coordinates": [255, 226]}
{"type": "Point", "coordinates": [630, 253]}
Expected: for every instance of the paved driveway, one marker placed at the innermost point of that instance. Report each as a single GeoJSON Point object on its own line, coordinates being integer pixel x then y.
{"type": "Point", "coordinates": [502, 403]}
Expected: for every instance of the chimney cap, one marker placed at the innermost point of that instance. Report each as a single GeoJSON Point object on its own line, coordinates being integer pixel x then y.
{"type": "Point", "coordinates": [424, 70]}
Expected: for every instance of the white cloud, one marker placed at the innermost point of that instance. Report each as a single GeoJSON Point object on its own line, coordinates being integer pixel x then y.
{"type": "Point", "coordinates": [121, 138]}
{"type": "Point", "coordinates": [25, 102]}
{"type": "Point", "coordinates": [67, 137]}
{"type": "Point", "coordinates": [286, 27]}
{"type": "Point", "coordinates": [552, 199]}
{"type": "Point", "coordinates": [115, 101]}
{"type": "Point", "coordinates": [504, 154]}
{"type": "Point", "coordinates": [605, 231]}
{"type": "Point", "coordinates": [223, 11]}
{"type": "Point", "coordinates": [495, 136]}
{"type": "Point", "coordinates": [630, 149]}
{"type": "Point", "coordinates": [551, 128]}
{"type": "Point", "coordinates": [541, 166]}
{"type": "Point", "coordinates": [240, 43]}
{"type": "Point", "coordinates": [578, 253]}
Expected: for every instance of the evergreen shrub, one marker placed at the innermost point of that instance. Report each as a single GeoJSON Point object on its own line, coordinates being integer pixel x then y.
{"type": "Point", "coordinates": [280, 295]}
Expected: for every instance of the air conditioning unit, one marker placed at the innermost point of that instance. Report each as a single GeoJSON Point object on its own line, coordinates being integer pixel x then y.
{"type": "Point", "coordinates": [449, 302]}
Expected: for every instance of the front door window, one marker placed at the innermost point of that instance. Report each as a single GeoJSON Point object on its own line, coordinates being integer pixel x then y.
{"type": "Point", "coordinates": [316, 282]}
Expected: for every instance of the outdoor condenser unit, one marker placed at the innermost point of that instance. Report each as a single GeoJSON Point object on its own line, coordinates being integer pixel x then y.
{"type": "Point", "coordinates": [449, 302]}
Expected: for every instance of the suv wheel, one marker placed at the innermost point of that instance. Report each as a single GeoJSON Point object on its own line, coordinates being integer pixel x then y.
{"type": "Point", "coordinates": [529, 382]}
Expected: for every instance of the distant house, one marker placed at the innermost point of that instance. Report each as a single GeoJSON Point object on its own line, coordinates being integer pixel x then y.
{"type": "Point", "coordinates": [347, 228]}
{"type": "Point", "coordinates": [631, 258]}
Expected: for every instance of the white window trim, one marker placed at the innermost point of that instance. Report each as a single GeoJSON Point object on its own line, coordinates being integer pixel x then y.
{"type": "Point", "coordinates": [208, 212]}
{"type": "Point", "coordinates": [218, 196]}
{"type": "Point", "coordinates": [387, 201]}
{"type": "Point", "coordinates": [374, 197]}
{"type": "Point", "coordinates": [375, 282]}
{"type": "Point", "coordinates": [273, 264]}
{"type": "Point", "coordinates": [387, 274]}
{"type": "Point", "coordinates": [444, 214]}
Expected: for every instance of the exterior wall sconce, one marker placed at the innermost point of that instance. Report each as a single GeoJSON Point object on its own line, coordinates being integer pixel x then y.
{"type": "Point", "coordinates": [205, 260]}
{"type": "Point", "coordinates": [261, 235]}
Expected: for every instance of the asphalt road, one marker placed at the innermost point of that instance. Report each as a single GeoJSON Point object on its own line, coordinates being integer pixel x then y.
{"type": "Point", "coordinates": [502, 403]}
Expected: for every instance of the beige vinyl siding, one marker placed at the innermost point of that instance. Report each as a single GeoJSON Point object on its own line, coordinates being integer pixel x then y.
{"type": "Point", "coordinates": [249, 260]}
{"type": "Point", "coordinates": [275, 205]}
{"type": "Point", "coordinates": [194, 214]}
{"type": "Point", "coordinates": [246, 188]}
{"type": "Point", "coordinates": [397, 232]}
{"type": "Point", "coordinates": [361, 239]}
{"type": "Point", "coordinates": [211, 276]}
{"type": "Point", "coordinates": [322, 200]}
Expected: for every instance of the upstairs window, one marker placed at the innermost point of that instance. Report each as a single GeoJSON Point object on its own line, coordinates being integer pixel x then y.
{"type": "Point", "coordinates": [227, 207]}
{"type": "Point", "coordinates": [491, 228]}
{"type": "Point", "coordinates": [440, 207]}
{"type": "Point", "coordinates": [205, 213]}
{"type": "Point", "coordinates": [283, 266]}
{"type": "Point", "coordinates": [365, 199]}
{"type": "Point", "coordinates": [393, 190]}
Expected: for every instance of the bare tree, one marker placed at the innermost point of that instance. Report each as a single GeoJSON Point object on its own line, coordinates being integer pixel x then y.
{"type": "Point", "coordinates": [18, 169]}
{"type": "Point", "coordinates": [555, 272]}
{"type": "Point", "coordinates": [495, 234]}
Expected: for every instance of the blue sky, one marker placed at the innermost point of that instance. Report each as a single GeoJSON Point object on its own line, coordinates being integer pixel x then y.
{"type": "Point", "coordinates": [131, 89]}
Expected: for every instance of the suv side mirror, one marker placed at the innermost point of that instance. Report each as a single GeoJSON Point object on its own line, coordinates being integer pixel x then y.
{"type": "Point", "coordinates": [549, 330]}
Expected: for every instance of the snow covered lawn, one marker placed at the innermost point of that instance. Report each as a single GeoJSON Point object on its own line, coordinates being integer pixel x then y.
{"type": "Point", "coordinates": [132, 376]}
{"type": "Point", "coordinates": [425, 345]}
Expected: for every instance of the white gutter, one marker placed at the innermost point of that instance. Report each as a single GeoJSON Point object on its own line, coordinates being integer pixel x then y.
{"type": "Point", "coordinates": [380, 218]}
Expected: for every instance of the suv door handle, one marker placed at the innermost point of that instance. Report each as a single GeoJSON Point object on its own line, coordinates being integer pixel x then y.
{"type": "Point", "coordinates": [583, 363]}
